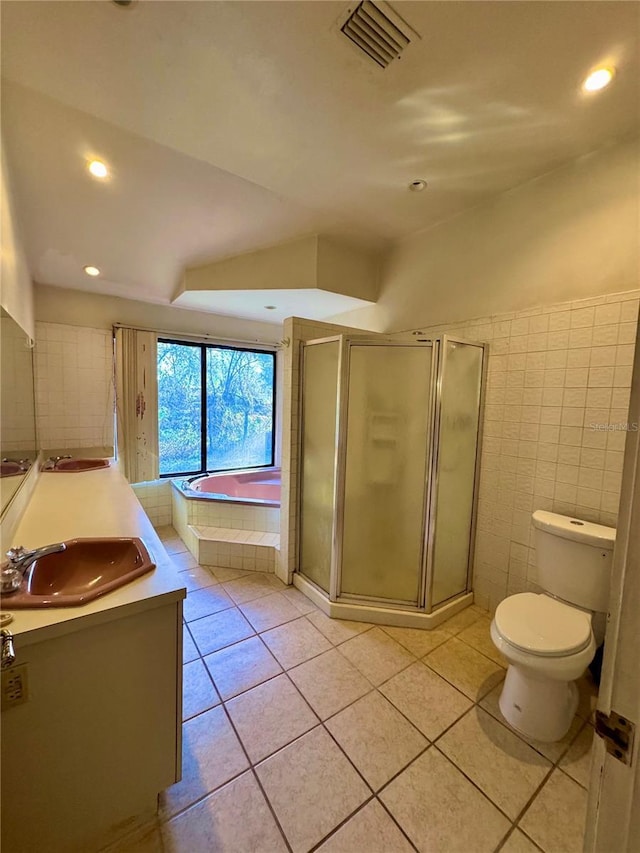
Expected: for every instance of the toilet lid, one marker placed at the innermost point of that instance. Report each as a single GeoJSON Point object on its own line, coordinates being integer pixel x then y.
{"type": "Point", "coordinates": [541, 625]}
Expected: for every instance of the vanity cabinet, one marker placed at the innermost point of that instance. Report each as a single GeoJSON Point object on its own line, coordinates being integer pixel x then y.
{"type": "Point", "coordinates": [100, 734]}
{"type": "Point", "coordinates": [85, 757]}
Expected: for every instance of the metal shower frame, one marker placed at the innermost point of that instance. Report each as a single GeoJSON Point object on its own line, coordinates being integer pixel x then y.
{"type": "Point", "coordinates": [437, 344]}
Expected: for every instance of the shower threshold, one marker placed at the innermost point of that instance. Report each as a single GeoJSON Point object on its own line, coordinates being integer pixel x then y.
{"type": "Point", "coordinates": [378, 614]}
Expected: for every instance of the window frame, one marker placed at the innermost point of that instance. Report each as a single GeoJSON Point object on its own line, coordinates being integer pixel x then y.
{"type": "Point", "coordinates": [204, 346]}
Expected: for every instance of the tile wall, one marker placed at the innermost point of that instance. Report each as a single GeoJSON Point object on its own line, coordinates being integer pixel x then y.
{"type": "Point", "coordinates": [558, 386]}
{"type": "Point", "coordinates": [215, 522]}
{"type": "Point", "coordinates": [553, 372]}
{"type": "Point", "coordinates": [235, 516]}
{"type": "Point", "coordinates": [181, 521]}
{"type": "Point", "coordinates": [556, 406]}
{"type": "Point", "coordinates": [18, 416]}
{"type": "Point", "coordinates": [238, 549]}
{"type": "Point", "coordinates": [14, 510]}
{"type": "Point", "coordinates": [206, 513]}
{"type": "Point", "coordinates": [74, 386]}
{"type": "Point", "coordinates": [155, 497]}
{"type": "Point", "coordinates": [159, 498]}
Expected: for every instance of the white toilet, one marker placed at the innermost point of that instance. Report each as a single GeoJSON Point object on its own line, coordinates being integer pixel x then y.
{"type": "Point", "coordinates": [549, 639]}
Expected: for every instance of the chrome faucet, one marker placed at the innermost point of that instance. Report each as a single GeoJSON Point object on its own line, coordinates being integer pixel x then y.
{"type": "Point", "coordinates": [23, 463]}
{"type": "Point", "coordinates": [20, 559]}
{"type": "Point", "coordinates": [52, 462]}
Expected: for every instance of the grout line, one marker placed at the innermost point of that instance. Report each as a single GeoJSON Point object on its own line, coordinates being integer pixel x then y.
{"type": "Point", "coordinates": [285, 746]}
{"type": "Point", "coordinates": [509, 834]}
{"type": "Point", "coordinates": [393, 818]}
{"type": "Point", "coordinates": [406, 767]}
{"type": "Point", "coordinates": [375, 795]}
{"type": "Point", "coordinates": [213, 613]}
{"type": "Point", "coordinates": [515, 828]}
{"type": "Point", "coordinates": [251, 767]}
{"type": "Point", "coordinates": [544, 781]}
{"type": "Point", "coordinates": [271, 809]}
{"type": "Point", "coordinates": [470, 646]}
{"type": "Point", "coordinates": [555, 765]}
{"type": "Point", "coordinates": [241, 692]}
{"type": "Point", "coordinates": [335, 646]}
{"type": "Point", "coordinates": [222, 648]}
{"type": "Point", "coordinates": [373, 684]}
{"type": "Point", "coordinates": [341, 824]}
{"type": "Point", "coordinates": [475, 785]}
{"type": "Point", "coordinates": [459, 689]}
{"type": "Point", "coordinates": [163, 819]}
{"type": "Point", "coordinates": [359, 772]}
{"type": "Point", "coordinates": [257, 778]}
{"type": "Point", "coordinates": [321, 723]}
{"type": "Point", "coordinates": [419, 657]}
{"type": "Point", "coordinates": [271, 627]}
{"type": "Point", "coordinates": [552, 767]}
{"type": "Point", "coordinates": [317, 724]}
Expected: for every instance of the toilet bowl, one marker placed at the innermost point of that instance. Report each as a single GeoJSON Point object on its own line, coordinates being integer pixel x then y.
{"type": "Point", "coordinates": [550, 638]}
{"type": "Point", "coordinates": [548, 644]}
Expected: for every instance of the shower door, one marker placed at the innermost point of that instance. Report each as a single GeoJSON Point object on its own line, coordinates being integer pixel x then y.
{"type": "Point", "coordinates": [320, 372]}
{"type": "Point", "coordinates": [455, 468]}
{"type": "Point", "coordinates": [388, 468]}
{"type": "Point", "coordinates": [384, 441]}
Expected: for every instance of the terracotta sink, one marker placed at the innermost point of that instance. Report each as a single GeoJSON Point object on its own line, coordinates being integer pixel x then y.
{"type": "Point", "coordinates": [67, 465]}
{"type": "Point", "coordinates": [87, 569]}
{"type": "Point", "coordinates": [10, 469]}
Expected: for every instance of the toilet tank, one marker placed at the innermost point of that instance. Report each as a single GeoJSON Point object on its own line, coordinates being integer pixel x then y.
{"type": "Point", "coordinates": [574, 559]}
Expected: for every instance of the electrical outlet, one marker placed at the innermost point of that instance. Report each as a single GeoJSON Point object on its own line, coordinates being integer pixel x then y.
{"type": "Point", "coordinates": [15, 686]}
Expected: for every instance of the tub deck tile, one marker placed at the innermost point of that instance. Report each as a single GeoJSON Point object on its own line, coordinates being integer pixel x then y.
{"type": "Point", "coordinates": [249, 550]}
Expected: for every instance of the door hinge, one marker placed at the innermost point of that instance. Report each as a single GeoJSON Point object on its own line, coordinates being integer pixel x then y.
{"type": "Point", "coordinates": [617, 733]}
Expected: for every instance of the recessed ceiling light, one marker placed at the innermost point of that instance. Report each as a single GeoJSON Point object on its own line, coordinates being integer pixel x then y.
{"type": "Point", "coordinates": [98, 169]}
{"type": "Point", "coordinates": [92, 270]}
{"type": "Point", "coordinates": [271, 307]}
{"type": "Point", "coordinates": [418, 185]}
{"type": "Point", "coordinates": [598, 79]}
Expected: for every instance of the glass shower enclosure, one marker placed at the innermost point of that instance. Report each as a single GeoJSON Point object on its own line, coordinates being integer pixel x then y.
{"type": "Point", "coordinates": [388, 474]}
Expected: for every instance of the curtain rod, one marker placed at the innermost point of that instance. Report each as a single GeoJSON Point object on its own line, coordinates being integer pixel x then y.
{"type": "Point", "coordinates": [201, 337]}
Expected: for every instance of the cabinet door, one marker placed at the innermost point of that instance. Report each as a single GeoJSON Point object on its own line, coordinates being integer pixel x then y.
{"type": "Point", "coordinates": [100, 735]}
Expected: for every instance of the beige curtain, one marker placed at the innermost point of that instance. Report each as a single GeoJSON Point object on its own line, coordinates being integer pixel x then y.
{"type": "Point", "coordinates": [137, 404]}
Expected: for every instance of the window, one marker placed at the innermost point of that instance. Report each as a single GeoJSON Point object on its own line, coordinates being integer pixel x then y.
{"type": "Point", "coordinates": [216, 408]}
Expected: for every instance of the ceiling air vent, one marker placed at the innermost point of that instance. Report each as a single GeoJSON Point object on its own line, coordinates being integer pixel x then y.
{"type": "Point", "coordinates": [377, 31]}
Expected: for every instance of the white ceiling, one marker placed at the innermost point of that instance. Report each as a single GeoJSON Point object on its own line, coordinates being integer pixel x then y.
{"type": "Point", "coordinates": [309, 302]}
{"type": "Point", "coordinates": [235, 125]}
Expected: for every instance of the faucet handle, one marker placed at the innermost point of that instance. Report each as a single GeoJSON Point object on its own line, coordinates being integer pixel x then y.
{"type": "Point", "coordinates": [14, 555]}
{"type": "Point", "coordinates": [52, 461]}
{"type": "Point", "coordinates": [8, 656]}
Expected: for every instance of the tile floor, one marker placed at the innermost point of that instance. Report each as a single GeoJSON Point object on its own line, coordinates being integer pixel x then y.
{"type": "Point", "coordinates": [305, 733]}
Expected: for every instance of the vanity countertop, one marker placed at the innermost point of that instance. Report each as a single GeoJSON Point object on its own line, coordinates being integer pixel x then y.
{"type": "Point", "coordinates": [90, 504]}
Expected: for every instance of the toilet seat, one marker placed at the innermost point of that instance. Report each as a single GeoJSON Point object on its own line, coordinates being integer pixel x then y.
{"type": "Point", "coordinates": [540, 625]}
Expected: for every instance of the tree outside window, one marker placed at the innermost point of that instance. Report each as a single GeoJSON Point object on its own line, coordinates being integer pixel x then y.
{"type": "Point", "coordinates": [216, 408]}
